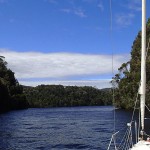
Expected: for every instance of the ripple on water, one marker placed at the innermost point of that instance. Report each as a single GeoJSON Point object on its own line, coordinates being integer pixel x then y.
{"type": "Point", "coordinates": [87, 128]}
{"type": "Point", "coordinates": [71, 146]}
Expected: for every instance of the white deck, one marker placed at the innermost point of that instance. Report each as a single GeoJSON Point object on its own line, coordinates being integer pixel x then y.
{"type": "Point", "coordinates": [141, 145]}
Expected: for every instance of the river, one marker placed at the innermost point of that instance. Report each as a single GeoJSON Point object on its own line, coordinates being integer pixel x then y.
{"type": "Point", "coordinates": [88, 128]}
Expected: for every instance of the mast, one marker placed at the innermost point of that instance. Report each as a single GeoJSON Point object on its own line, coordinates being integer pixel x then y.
{"type": "Point", "coordinates": [143, 64]}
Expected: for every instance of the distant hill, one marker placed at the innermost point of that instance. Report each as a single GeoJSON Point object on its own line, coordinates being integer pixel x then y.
{"type": "Point", "coordinates": [65, 96]}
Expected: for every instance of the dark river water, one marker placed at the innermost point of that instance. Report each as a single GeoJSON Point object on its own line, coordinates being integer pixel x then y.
{"type": "Point", "coordinates": [88, 128]}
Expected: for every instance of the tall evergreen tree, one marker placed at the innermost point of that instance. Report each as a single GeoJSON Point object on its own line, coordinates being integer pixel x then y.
{"type": "Point", "coordinates": [128, 77]}
{"type": "Point", "coordinates": [11, 93]}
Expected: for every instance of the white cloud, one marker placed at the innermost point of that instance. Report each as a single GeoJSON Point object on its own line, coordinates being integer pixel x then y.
{"type": "Point", "coordinates": [80, 13]}
{"type": "Point", "coordinates": [88, 1]}
{"type": "Point", "coordinates": [58, 66]}
{"type": "Point", "coordinates": [134, 5]}
{"type": "Point", "coordinates": [95, 83]}
{"type": "Point", "coordinates": [76, 11]}
{"type": "Point", "coordinates": [124, 20]}
{"type": "Point", "coordinates": [52, 1]}
{"type": "Point", "coordinates": [100, 5]}
{"type": "Point", "coordinates": [66, 10]}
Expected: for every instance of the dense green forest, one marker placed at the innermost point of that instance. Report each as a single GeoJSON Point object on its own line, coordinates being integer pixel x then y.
{"type": "Point", "coordinates": [127, 79]}
{"type": "Point", "coordinates": [11, 93]}
{"type": "Point", "coordinates": [15, 96]}
{"type": "Point", "coordinates": [64, 96]}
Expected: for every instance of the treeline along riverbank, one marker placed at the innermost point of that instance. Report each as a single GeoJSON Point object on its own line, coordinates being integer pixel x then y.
{"type": "Point", "coordinates": [65, 96]}
{"type": "Point", "coordinates": [15, 96]}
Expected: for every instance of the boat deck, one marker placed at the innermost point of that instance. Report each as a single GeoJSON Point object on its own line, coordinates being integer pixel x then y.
{"type": "Point", "coordinates": [141, 145]}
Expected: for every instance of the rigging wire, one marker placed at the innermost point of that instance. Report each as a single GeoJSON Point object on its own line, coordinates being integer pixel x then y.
{"type": "Point", "coordinates": [135, 104]}
{"type": "Point", "coordinates": [147, 108]}
{"type": "Point", "coordinates": [111, 29]}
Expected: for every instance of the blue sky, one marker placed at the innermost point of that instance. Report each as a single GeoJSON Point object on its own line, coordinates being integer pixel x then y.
{"type": "Point", "coordinates": [67, 42]}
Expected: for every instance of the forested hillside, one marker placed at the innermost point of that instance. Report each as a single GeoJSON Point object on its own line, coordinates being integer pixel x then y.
{"type": "Point", "coordinates": [15, 96]}
{"type": "Point", "coordinates": [64, 96]}
{"type": "Point", "coordinates": [11, 93]}
{"type": "Point", "coordinates": [128, 77]}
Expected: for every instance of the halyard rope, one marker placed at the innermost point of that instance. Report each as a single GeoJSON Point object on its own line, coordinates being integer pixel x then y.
{"type": "Point", "coordinates": [113, 99]}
